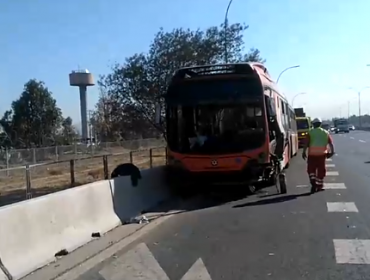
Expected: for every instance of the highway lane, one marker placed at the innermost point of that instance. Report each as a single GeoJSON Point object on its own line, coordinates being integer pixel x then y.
{"type": "Point", "coordinates": [353, 151]}
{"type": "Point", "coordinates": [264, 236]}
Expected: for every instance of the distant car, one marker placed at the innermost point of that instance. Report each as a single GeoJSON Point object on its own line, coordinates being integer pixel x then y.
{"type": "Point", "coordinates": [342, 128]}
{"type": "Point", "coordinates": [351, 127]}
{"type": "Point", "coordinates": [326, 127]}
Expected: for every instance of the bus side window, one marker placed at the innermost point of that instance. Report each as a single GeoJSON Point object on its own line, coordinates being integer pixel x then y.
{"type": "Point", "coordinates": [271, 113]}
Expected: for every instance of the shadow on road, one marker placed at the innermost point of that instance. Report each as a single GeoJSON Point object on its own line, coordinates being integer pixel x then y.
{"type": "Point", "coordinates": [276, 199]}
{"type": "Point", "coordinates": [200, 200]}
{"type": "Point", "coordinates": [206, 197]}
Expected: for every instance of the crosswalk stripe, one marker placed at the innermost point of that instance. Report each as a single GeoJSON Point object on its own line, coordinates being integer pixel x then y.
{"type": "Point", "coordinates": [352, 251]}
{"type": "Point", "coordinates": [332, 173]}
{"type": "Point", "coordinates": [341, 207]}
{"type": "Point", "coordinates": [334, 186]}
{"type": "Point", "coordinates": [329, 159]}
{"type": "Point", "coordinates": [329, 165]}
{"type": "Point", "coordinates": [328, 186]}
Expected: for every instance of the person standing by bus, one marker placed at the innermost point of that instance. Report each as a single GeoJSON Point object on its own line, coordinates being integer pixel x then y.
{"type": "Point", "coordinates": [317, 142]}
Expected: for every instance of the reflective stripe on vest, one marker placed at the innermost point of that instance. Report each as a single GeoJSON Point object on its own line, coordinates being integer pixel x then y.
{"type": "Point", "coordinates": [319, 140]}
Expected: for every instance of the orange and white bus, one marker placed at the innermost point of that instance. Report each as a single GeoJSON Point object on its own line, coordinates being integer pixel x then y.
{"type": "Point", "coordinates": [222, 124]}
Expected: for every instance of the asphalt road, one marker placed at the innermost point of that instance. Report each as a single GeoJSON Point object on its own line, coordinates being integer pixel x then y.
{"type": "Point", "coordinates": [265, 236]}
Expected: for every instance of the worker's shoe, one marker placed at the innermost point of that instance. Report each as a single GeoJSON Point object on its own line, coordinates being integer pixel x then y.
{"type": "Point", "coordinates": [313, 186]}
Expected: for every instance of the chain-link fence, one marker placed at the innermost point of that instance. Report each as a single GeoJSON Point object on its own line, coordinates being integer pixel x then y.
{"type": "Point", "coordinates": [25, 182]}
{"type": "Point", "coordinates": [12, 158]}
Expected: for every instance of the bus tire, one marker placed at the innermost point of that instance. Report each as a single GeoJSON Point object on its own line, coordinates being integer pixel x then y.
{"type": "Point", "coordinates": [289, 157]}
{"type": "Point", "coordinates": [282, 183]}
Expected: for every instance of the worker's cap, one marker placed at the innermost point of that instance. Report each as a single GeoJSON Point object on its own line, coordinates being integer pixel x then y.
{"type": "Point", "coordinates": [317, 120]}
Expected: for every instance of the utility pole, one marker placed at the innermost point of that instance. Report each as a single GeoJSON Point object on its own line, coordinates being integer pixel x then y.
{"type": "Point", "coordinates": [226, 25]}
{"type": "Point", "coordinates": [348, 110]}
{"type": "Point", "coordinates": [359, 108]}
{"type": "Point", "coordinates": [359, 102]}
{"type": "Point", "coordinates": [91, 132]}
{"type": "Point", "coordinates": [286, 69]}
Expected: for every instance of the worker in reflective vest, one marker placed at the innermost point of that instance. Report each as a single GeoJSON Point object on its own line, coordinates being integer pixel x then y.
{"type": "Point", "coordinates": [317, 142]}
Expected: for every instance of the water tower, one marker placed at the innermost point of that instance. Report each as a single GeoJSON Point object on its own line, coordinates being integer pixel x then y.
{"type": "Point", "coordinates": [82, 79]}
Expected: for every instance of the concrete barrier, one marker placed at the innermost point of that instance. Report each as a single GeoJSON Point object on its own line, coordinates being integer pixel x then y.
{"type": "Point", "coordinates": [33, 231]}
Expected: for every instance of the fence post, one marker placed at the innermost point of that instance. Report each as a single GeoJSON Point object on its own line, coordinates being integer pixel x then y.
{"type": "Point", "coordinates": [75, 148]}
{"type": "Point", "coordinates": [131, 157]}
{"type": "Point", "coordinates": [105, 167]}
{"type": "Point", "coordinates": [56, 153]}
{"type": "Point", "coordinates": [151, 158]}
{"type": "Point", "coordinates": [72, 172]}
{"type": "Point", "coordinates": [7, 155]}
{"type": "Point", "coordinates": [28, 183]}
{"type": "Point", "coordinates": [34, 159]}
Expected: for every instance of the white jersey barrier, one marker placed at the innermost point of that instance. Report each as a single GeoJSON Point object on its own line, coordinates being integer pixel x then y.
{"type": "Point", "coordinates": [33, 231]}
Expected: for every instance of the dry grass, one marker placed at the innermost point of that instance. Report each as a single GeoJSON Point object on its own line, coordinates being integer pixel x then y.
{"type": "Point", "coordinates": [57, 176]}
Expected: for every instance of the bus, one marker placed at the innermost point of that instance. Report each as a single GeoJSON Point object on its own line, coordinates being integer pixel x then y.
{"type": "Point", "coordinates": [226, 124]}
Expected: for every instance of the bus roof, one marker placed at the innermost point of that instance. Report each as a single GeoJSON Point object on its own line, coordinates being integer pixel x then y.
{"type": "Point", "coordinates": [241, 68]}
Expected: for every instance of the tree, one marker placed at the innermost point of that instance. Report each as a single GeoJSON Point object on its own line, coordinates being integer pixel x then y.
{"type": "Point", "coordinates": [132, 89]}
{"type": "Point", "coordinates": [253, 55]}
{"type": "Point", "coordinates": [34, 117]}
{"type": "Point", "coordinates": [67, 133]}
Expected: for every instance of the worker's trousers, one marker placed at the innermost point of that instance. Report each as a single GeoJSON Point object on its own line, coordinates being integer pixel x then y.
{"type": "Point", "coordinates": [316, 169]}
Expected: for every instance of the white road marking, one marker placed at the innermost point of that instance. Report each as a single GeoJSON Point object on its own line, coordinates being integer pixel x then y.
{"type": "Point", "coordinates": [197, 272]}
{"type": "Point", "coordinates": [329, 165]}
{"type": "Point", "coordinates": [139, 263]}
{"type": "Point", "coordinates": [302, 186]}
{"type": "Point", "coordinates": [362, 141]}
{"type": "Point", "coordinates": [76, 272]}
{"type": "Point", "coordinates": [341, 207]}
{"type": "Point", "coordinates": [332, 173]}
{"type": "Point", "coordinates": [329, 159]}
{"type": "Point", "coordinates": [352, 251]}
{"type": "Point", "coordinates": [334, 186]}
{"type": "Point", "coordinates": [352, 137]}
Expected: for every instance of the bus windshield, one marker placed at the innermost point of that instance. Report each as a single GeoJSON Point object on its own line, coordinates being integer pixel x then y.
{"type": "Point", "coordinates": [216, 129]}
{"type": "Point", "coordinates": [214, 91]}
{"type": "Point", "coordinates": [302, 124]}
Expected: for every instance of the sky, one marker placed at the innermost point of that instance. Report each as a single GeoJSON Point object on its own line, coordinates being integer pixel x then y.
{"type": "Point", "coordinates": [329, 39]}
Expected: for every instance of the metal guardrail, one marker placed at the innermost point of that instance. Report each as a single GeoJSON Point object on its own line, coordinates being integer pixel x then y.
{"type": "Point", "coordinates": [33, 180]}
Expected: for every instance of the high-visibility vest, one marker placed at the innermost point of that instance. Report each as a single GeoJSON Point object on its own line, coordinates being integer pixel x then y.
{"type": "Point", "coordinates": [319, 140]}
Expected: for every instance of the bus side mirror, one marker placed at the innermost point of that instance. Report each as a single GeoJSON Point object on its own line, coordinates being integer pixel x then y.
{"type": "Point", "coordinates": [158, 110]}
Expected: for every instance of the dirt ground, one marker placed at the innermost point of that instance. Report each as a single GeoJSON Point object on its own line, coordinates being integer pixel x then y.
{"type": "Point", "coordinates": [57, 176]}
